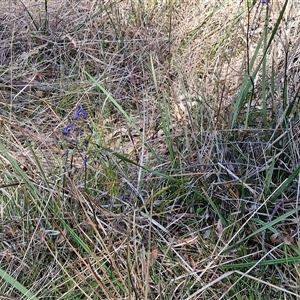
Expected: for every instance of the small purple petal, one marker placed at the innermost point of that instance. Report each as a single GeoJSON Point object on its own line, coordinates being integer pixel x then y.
{"type": "Point", "coordinates": [85, 160]}
{"type": "Point", "coordinates": [67, 129]}
{"type": "Point", "coordinates": [265, 1]}
{"type": "Point", "coordinates": [120, 218]}
{"type": "Point", "coordinates": [66, 153]}
{"type": "Point", "coordinates": [80, 113]}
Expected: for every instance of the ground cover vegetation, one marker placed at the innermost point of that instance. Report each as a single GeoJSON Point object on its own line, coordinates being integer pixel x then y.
{"type": "Point", "coordinates": [149, 149]}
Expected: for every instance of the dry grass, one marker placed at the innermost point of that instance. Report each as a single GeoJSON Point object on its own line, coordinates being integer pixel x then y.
{"type": "Point", "coordinates": [181, 182]}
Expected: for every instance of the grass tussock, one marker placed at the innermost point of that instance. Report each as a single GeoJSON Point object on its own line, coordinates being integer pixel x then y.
{"type": "Point", "coordinates": [149, 150]}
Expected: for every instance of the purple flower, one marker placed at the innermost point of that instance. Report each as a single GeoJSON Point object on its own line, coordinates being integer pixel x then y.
{"type": "Point", "coordinates": [117, 224]}
{"type": "Point", "coordinates": [67, 129]}
{"type": "Point", "coordinates": [80, 113]}
{"type": "Point", "coordinates": [265, 1]}
{"type": "Point", "coordinates": [66, 153]}
{"type": "Point", "coordinates": [85, 160]}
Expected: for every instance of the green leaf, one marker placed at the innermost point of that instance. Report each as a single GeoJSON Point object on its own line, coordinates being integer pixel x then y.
{"type": "Point", "coordinates": [17, 285]}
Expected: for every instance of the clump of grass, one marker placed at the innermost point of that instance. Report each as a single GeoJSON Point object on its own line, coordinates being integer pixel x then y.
{"type": "Point", "coordinates": [149, 151]}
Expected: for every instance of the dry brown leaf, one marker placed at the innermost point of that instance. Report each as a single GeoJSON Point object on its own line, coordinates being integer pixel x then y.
{"type": "Point", "coordinates": [276, 238]}
{"type": "Point", "coordinates": [153, 256]}
{"type": "Point", "coordinates": [8, 257]}
{"type": "Point", "coordinates": [40, 94]}
{"type": "Point", "coordinates": [289, 240]}
{"type": "Point", "coordinates": [190, 260]}
{"type": "Point", "coordinates": [219, 229]}
{"type": "Point", "coordinates": [285, 237]}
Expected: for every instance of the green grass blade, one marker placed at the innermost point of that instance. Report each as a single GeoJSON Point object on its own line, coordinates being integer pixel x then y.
{"type": "Point", "coordinates": [122, 111]}
{"type": "Point", "coordinates": [268, 262]}
{"type": "Point", "coordinates": [211, 202]}
{"type": "Point", "coordinates": [17, 285]}
{"type": "Point", "coordinates": [17, 168]}
{"type": "Point", "coordinates": [272, 199]}
{"type": "Point", "coordinates": [264, 227]}
{"type": "Point", "coordinates": [247, 83]}
{"type": "Point", "coordinates": [125, 159]}
{"type": "Point", "coordinates": [284, 185]}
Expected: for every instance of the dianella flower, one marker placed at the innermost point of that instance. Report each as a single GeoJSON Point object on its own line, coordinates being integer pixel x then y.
{"type": "Point", "coordinates": [76, 131]}
{"type": "Point", "coordinates": [84, 160]}
{"type": "Point", "coordinates": [67, 129]}
{"type": "Point", "coordinates": [80, 113]}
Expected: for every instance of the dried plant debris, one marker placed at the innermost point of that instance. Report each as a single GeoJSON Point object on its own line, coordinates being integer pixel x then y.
{"type": "Point", "coordinates": [149, 149]}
